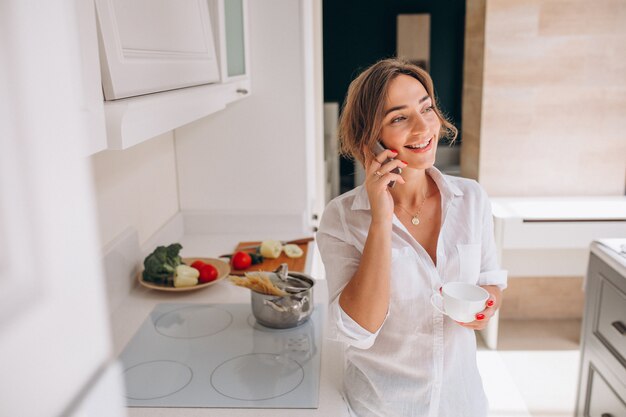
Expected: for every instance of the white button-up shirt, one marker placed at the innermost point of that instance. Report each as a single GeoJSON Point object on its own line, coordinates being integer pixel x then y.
{"type": "Point", "coordinates": [419, 363]}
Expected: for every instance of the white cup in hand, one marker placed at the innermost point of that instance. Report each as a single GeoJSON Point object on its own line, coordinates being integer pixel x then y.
{"type": "Point", "coordinates": [461, 300]}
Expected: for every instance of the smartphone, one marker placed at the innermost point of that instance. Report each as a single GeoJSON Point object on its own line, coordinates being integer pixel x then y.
{"type": "Point", "coordinates": [378, 148]}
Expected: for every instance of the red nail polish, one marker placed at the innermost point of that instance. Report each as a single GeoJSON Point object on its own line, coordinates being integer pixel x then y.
{"type": "Point", "coordinates": [404, 162]}
{"type": "Point", "coordinates": [440, 288]}
{"type": "Point", "coordinates": [393, 150]}
{"type": "Point", "coordinates": [480, 316]}
{"type": "Point", "coordinates": [490, 303]}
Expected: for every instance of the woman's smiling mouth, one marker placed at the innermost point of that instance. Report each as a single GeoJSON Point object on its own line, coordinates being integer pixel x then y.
{"type": "Point", "coordinates": [421, 147]}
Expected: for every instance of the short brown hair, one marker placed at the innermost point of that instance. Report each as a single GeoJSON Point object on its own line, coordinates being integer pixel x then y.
{"type": "Point", "coordinates": [362, 114]}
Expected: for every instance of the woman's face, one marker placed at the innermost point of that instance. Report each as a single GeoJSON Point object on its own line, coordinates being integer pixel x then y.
{"type": "Point", "coordinates": [410, 124]}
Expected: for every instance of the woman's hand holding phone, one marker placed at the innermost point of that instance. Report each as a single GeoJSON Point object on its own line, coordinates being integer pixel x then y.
{"type": "Point", "coordinates": [381, 169]}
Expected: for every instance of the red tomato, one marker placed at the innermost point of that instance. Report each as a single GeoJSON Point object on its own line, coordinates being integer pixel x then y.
{"type": "Point", "coordinates": [198, 265]}
{"type": "Point", "coordinates": [241, 260]}
{"type": "Point", "coordinates": [208, 273]}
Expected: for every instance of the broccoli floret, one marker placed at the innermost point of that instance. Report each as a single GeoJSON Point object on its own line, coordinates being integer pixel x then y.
{"type": "Point", "coordinates": [160, 265]}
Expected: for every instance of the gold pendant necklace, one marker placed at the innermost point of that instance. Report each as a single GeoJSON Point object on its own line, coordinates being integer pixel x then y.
{"type": "Point", "coordinates": [415, 217]}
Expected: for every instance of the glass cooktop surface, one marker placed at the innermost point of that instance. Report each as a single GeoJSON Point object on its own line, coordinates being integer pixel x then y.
{"type": "Point", "coordinates": [217, 355]}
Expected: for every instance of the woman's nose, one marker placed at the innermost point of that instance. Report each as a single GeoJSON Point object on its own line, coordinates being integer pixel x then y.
{"type": "Point", "coordinates": [420, 124]}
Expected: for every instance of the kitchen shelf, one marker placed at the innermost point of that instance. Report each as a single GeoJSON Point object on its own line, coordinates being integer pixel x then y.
{"type": "Point", "coordinates": [134, 120]}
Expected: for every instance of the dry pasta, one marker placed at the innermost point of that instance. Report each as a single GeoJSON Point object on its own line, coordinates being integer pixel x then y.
{"type": "Point", "coordinates": [259, 282]}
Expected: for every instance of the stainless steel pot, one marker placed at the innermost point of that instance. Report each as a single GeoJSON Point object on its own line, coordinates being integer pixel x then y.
{"type": "Point", "coordinates": [282, 312]}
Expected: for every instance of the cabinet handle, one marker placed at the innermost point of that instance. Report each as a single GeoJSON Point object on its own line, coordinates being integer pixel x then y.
{"type": "Point", "coordinates": [242, 91]}
{"type": "Point", "coordinates": [620, 327]}
{"type": "Point", "coordinates": [606, 415]}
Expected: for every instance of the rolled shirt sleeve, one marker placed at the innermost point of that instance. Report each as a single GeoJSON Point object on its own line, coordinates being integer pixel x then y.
{"type": "Point", "coordinates": [341, 261]}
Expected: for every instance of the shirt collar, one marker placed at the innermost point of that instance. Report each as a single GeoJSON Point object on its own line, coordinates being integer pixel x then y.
{"type": "Point", "coordinates": [446, 187]}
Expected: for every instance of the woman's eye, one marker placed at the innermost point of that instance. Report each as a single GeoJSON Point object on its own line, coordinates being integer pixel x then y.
{"type": "Point", "coordinates": [429, 109]}
{"type": "Point", "coordinates": [397, 119]}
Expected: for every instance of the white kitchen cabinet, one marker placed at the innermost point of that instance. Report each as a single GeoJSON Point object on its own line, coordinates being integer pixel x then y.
{"type": "Point", "coordinates": [132, 120]}
{"type": "Point", "coordinates": [166, 30]}
{"type": "Point", "coordinates": [602, 376]}
{"type": "Point", "coordinates": [149, 46]}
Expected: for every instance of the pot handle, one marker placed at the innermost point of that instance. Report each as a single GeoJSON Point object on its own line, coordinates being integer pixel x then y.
{"type": "Point", "coordinates": [283, 309]}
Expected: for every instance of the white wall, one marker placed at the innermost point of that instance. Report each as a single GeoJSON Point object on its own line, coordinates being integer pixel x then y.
{"type": "Point", "coordinates": [252, 155]}
{"type": "Point", "coordinates": [136, 188]}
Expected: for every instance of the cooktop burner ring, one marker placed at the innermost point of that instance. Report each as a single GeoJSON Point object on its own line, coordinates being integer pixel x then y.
{"type": "Point", "coordinates": [156, 379]}
{"type": "Point", "coordinates": [192, 322]}
{"type": "Point", "coordinates": [276, 368]}
{"type": "Point", "coordinates": [255, 371]}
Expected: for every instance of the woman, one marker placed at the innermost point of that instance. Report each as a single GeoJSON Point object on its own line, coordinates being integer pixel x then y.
{"type": "Point", "coordinates": [386, 249]}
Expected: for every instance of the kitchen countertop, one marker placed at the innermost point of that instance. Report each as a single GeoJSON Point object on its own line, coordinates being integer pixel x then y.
{"type": "Point", "coordinates": [130, 314]}
{"type": "Point", "coordinates": [613, 252]}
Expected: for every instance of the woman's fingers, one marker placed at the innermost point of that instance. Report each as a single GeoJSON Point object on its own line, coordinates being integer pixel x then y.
{"type": "Point", "coordinates": [386, 178]}
{"type": "Point", "coordinates": [388, 167]}
{"type": "Point", "coordinates": [482, 317]}
{"type": "Point", "coordinates": [387, 154]}
{"type": "Point", "coordinates": [380, 158]}
{"type": "Point", "coordinates": [487, 313]}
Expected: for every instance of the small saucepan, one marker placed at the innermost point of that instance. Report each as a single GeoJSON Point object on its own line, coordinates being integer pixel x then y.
{"type": "Point", "coordinates": [291, 310]}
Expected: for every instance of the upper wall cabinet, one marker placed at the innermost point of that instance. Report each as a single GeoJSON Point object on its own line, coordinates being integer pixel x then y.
{"type": "Point", "coordinates": [166, 63]}
{"type": "Point", "coordinates": [149, 46]}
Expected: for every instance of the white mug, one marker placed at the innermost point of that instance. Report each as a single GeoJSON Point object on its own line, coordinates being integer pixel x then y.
{"type": "Point", "coordinates": [461, 300]}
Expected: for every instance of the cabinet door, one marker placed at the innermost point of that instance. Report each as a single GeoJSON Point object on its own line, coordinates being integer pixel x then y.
{"type": "Point", "coordinates": [148, 46]}
{"type": "Point", "coordinates": [603, 400]}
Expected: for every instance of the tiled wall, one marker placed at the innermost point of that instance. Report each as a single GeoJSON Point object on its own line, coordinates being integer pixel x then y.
{"type": "Point", "coordinates": [545, 99]}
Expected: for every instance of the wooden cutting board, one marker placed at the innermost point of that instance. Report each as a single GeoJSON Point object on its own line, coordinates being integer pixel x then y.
{"type": "Point", "coordinates": [293, 264]}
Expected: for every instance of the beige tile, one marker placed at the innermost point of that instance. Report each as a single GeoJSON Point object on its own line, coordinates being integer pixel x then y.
{"type": "Point", "coordinates": [535, 62]}
{"type": "Point", "coordinates": [554, 99]}
{"type": "Point", "coordinates": [606, 62]}
{"type": "Point", "coordinates": [537, 142]}
{"type": "Point", "coordinates": [576, 18]}
{"type": "Point", "coordinates": [506, 111]}
{"type": "Point", "coordinates": [512, 18]}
